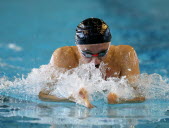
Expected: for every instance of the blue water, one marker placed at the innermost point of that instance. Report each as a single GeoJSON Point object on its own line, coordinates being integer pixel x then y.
{"type": "Point", "coordinates": [31, 30]}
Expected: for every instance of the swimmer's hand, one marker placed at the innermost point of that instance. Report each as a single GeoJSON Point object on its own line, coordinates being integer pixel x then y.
{"type": "Point", "coordinates": [113, 99]}
{"type": "Point", "coordinates": [45, 96]}
{"type": "Point", "coordinates": [84, 96]}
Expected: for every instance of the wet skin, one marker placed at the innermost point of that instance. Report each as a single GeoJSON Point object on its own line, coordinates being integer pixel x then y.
{"type": "Point", "coordinates": [121, 61]}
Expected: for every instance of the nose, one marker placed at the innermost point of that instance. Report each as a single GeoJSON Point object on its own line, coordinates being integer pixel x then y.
{"type": "Point", "coordinates": [96, 60]}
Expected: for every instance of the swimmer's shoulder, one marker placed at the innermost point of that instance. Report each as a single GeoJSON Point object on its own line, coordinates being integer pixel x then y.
{"type": "Point", "coordinates": [124, 51]}
{"type": "Point", "coordinates": [122, 48]}
{"type": "Point", "coordinates": [65, 57]}
{"type": "Point", "coordinates": [127, 54]}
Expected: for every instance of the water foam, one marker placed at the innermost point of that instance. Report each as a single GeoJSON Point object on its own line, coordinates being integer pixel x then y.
{"type": "Point", "coordinates": [63, 83]}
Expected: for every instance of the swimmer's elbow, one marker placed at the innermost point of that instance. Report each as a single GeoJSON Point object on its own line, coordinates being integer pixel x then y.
{"type": "Point", "coordinates": [114, 99]}
{"type": "Point", "coordinates": [47, 97]}
{"type": "Point", "coordinates": [42, 96]}
{"type": "Point", "coordinates": [137, 100]}
{"type": "Point", "coordinates": [141, 99]}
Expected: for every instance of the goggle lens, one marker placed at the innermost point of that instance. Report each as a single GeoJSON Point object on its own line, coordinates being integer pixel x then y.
{"type": "Point", "coordinates": [90, 55]}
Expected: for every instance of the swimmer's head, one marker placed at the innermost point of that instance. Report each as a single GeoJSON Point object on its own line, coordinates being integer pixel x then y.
{"type": "Point", "coordinates": [92, 31]}
{"type": "Point", "coordinates": [93, 40]}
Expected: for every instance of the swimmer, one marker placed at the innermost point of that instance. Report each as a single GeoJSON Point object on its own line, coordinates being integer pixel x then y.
{"type": "Point", "coordinates": [93, 45]}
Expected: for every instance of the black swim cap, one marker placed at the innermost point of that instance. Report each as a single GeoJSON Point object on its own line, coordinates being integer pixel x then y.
{"type": "Point", "coordinates": [92, 31]}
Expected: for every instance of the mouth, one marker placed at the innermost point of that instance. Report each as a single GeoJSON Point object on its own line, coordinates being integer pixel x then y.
{"type": "Point", "coordinates": [97, 66]}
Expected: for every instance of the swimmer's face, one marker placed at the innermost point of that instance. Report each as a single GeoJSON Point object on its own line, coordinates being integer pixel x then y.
{"type": "Point", "coordinates": [93, 53]}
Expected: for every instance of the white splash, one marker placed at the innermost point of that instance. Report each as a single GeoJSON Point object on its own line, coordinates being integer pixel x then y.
{"type": "Point", "coordinates": [14, 47]}
{"type": "Point", "coordinates": [67, 83]}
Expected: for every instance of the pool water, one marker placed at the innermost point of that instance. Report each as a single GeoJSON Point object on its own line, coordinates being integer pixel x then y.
{"type": "Point", "coordinates": [151, 114]}
{"type": "Point", "coordinates": [31, 30]}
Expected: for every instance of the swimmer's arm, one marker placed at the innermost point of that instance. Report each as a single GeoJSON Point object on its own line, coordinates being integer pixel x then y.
{"type": "Point", "coordinates": [112, 98]}
{"type": "Point", "coordinates": [83, 95]}
{"type": "Point", "coordinates": [47, 97]}
{"type": "Point", "coordinates": [65, 58]}
{"type": "Point", "coordinates": [129, 64]}
{"type": "Point", "coordinates": [129, 69]}
{"type": "Point", "coordinates": [60, 59]}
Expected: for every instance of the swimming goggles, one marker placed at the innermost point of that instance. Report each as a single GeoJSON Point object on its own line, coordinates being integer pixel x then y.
{"type": "Point", "coordinates": [90, 55]}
